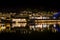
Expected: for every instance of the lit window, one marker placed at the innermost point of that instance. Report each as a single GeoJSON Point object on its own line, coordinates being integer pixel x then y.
{"type": "Point", "coordinates": [15, 19]}
{"type": "Point", "coordinates": [30, 15]}
{"type": "Point", "coordinates": [2, 17]}
{"type": "Point", "coordinates": [19, 25]}
{"type": "Point", "coordinates": [38, 17]}
{"type": "Point", "coordinates": [54, 17]}
{"type": "Point", "coordinates": [31, 27]}
{"type": "Point", "coordinates": [19, 20]}
{"type": "Point", "coordinates": [44, 17]}
{"type": "Point", "coordinates": [3, 28]}
{"type": "Point", "coordinates": [44, 25]}
{"type": "Point", "coordinates": [54, 25]}
{"type": "Point", "coordinates": [40, 26]}
{"type": "Point", "coordinates": [23, 24]}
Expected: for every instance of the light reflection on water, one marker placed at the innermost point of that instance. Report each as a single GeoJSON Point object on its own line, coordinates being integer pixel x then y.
{"type": "Point", "coordinates": [36, 27]}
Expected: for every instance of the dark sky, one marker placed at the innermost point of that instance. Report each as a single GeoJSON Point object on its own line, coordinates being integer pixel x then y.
{"type": "Point", "coordinates": [15, 5]}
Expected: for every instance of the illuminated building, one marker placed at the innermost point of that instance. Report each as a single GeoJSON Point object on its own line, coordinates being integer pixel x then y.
{"type": "Point", "coordinates": [2, 27]}
{"type": "Point", "coordinates": [19, 22]}
{"type": "Point", "coordinates": [33, 21]}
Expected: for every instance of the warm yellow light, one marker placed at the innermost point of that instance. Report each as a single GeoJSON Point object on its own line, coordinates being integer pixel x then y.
{"type": "Point", "coordinates": [19, 24]}
{"type": "Point", "coordinates": [3, 27]}
{"type": "Point", "coordinates": [19, 20]}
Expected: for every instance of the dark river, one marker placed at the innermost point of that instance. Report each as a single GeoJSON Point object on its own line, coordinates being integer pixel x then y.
{"type": "Point", "coordinates": [33, 35]}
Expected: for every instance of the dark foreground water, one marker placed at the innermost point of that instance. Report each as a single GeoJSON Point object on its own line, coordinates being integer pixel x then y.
{"type": "Point", "coordinates": [33, 35]}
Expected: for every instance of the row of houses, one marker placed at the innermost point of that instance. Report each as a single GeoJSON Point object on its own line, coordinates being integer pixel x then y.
{"type": "Point", "coordinates": [8, 21]}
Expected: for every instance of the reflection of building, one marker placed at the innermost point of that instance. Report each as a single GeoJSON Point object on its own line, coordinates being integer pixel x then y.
{"type": "Point", "coordinates": [2, 27]}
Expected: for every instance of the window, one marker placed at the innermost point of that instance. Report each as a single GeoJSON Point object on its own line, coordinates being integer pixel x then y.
{"type": "Point", "coordinates": [19, 20]}
{"type": "Point", "coordinates": [19, 24]}
{"type": "Point", "coordinates": [38, 26]}
{"type": "Point", "coordinates": [45, 17]}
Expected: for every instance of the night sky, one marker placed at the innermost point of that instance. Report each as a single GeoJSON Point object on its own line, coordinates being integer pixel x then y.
{"type": "Point", "coordinates": [15, 5]}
